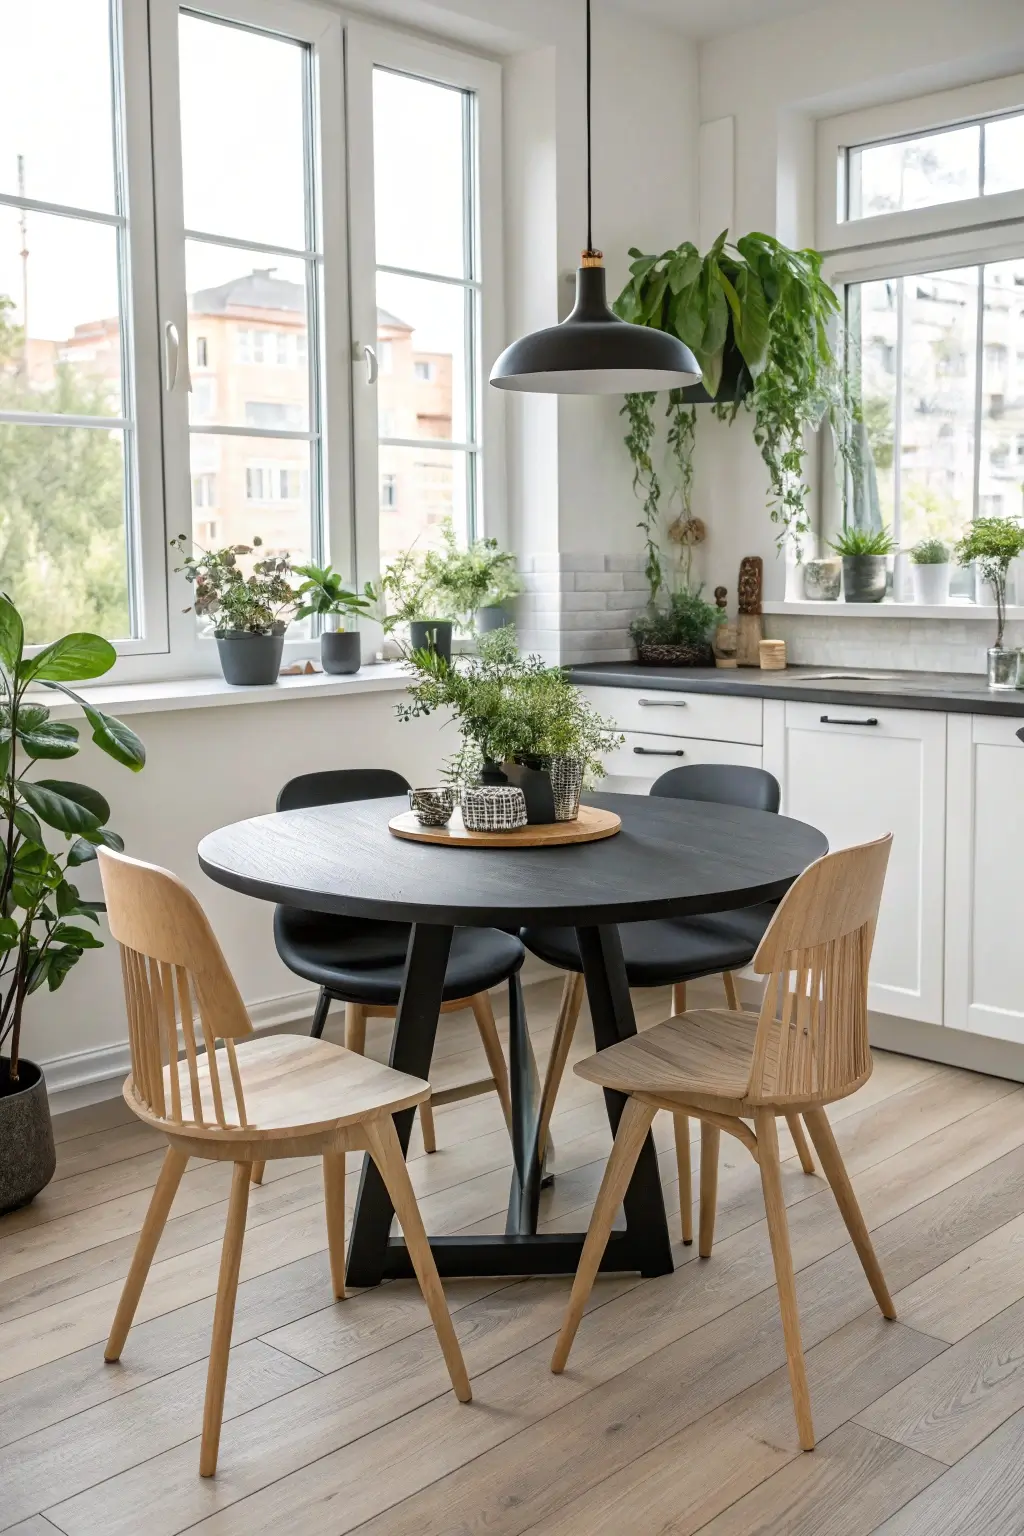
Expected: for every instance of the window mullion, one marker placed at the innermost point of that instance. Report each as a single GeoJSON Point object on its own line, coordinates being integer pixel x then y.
{"type": "Point", "coordinates": [979, 372]}
{"type": "Point", "coordinates": [897, 434]}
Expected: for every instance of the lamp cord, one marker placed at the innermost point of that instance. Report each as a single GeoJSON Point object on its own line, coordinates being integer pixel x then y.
{"type": "Point", "coordinates": [590, 195]}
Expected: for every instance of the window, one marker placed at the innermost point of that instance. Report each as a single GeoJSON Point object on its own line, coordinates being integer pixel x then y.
{"type": "Point", "coordinates": [274, 482]}
{"type": "Point", "coordinates": [202, 355]}
{"type": "Point", "coordinates": [968, 161]}
{"type": "Point", "coordinates": [424, 371]}
{"type": "Point", "coordinates": [389, 492]}
{"type": "Point", "coordinates": [204, 491]}
{"type": "Point", "coordinates": [274, 413]}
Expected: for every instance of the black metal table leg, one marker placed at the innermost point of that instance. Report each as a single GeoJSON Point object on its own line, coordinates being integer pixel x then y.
{"type": "Point", "coordinates": [611, 1009]}
{"type": "Point", "coordinates": [411, 1049]}
{"type": "Point", "coordinates": [524, 1196]}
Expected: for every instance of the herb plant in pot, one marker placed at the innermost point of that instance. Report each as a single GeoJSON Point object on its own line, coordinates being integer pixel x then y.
{"type": "Point", "coordinates": [678, 632]}
{"type": "Point", "coordinates": [250, 613]}
{"type": "Point", "coordinates": [864, 553]}
{"type": "Point", "coordinates": [476, 585]}
{"type": "Point", "coordinates": [991, 544]}
{"type": "Point", "coordinates": [324, 594]}
{"type": "Point", "coordinates": [930, 571]}
{"type": "Point", "coordinates": [407, 597]}
{"type": "Point", "coordinates": [43, 919]}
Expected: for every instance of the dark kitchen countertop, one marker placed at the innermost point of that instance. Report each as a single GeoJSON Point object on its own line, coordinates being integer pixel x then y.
{"type": "Point", "coordinates": [962, 693]}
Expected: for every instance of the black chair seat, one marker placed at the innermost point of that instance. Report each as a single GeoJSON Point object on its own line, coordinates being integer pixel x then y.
{"type": "Point", "coordinates": [363, 961]}
{"type": "Point", "coordinates": [667, 950]}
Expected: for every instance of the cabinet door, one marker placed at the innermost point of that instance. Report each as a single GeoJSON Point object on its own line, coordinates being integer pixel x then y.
{"type": "Point", "coordinates": [985, 857]}
{"type": "Point", "coordinates": [665, 712]}
{"type": "Point", "coordinates": [643, 757]}
{"type": "Point", "coordinates": [857, 774]}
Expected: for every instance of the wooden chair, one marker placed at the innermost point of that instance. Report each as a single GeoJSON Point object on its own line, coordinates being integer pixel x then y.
{"type": "Point", "coordinates": [244, 1102]}
{"type": "Point", "coordinates": [806, 1048]}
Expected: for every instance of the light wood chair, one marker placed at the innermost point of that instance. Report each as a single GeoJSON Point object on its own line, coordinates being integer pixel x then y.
{"type": "Point", "coordinates": [806, 1048]}
{"type": "Point", "coordinates": [244, 1102]}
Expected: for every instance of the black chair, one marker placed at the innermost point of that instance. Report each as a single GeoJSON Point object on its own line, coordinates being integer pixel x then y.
{"type": "Point", "coordinates": [673, 951]}
{"type": "Point", "coordinates": [361, 962]}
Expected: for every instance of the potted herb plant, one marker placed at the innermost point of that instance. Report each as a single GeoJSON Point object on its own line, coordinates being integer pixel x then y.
{"type": "Point", "coordinates": [991, 544]}
{"type": "Point", "coordinates": [324, 594]}
{"type": "Point", "coordinates": [476, 584]}
{"type": "Point", "coordinates": [250, 613]}
{"type": "Point", "coordinates": [43, 919]}
{"type": "Point", "coordinates": [864, 553]}
{"type": "Point", "coordinates": [930, 571]}
{"type": "Point", "coordinates": [678, 632]}
{"type": "Point", "coordinates": [407, 596]}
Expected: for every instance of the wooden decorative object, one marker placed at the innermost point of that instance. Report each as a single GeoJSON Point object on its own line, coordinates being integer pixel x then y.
{"type": "Point", "coordinates": [773, 655]}
{"type": "Point", "coordinates": [751, 582]}
{"type": "Point", "coordinates": [749, 624]}
{"type": "Point", "coordinates": [590, 826]}
{"type": "Point", "coordinates": [724, 644]}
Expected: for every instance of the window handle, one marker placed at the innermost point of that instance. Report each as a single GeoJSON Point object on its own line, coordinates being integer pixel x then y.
{"type": "Point", "coordinates": [662, 703]}
{"type": "Point", "coordinates": [831, 720]}
{"type": "Point", "coordinates": [172, 354]}
{"type": "Point", "coordinates": [361, 352]}
{"type": "Point", "coordinates": [659, 752]}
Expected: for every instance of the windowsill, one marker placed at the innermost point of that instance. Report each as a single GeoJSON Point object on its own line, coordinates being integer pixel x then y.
{"type": "Point", "coordinates": [211, 692]}
{"type": "Point", "coordinates": [892, 610]}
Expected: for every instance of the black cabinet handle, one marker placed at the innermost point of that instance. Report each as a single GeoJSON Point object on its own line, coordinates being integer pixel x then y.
{"type": "Point", "coordinates": [1020, 734]}
{"type": "Point", "coordinates": [830, 720]}
{"type": "Point", "coordinates": [659, 752]}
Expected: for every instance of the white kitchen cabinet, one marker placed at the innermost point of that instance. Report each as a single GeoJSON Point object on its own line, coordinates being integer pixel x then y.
{"type": "Point", "coordinates": [666, 729]}
{"type": "Point", "coordinates": [856, 774]}
{"type": "Point", "coordinates": [984, 861]}
{"type": "Point", "coordinates": [632, 768]}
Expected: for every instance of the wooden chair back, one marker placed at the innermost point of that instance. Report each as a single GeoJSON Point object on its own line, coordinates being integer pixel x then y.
{"type": "Point", "coordinates": [812, 1036]}
{"type": "Point", "coordinates": [174, 975]}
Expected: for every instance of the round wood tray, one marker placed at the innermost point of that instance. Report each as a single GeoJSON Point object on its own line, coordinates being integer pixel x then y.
{"type": "Point", "coordinates": [589, 826]}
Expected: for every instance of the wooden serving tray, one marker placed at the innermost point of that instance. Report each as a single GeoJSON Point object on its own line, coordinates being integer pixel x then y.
{"type": "Point", "coordinates": [591, 825]}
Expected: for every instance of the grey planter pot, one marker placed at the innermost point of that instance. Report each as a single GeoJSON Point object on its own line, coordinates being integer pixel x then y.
{"type": "Point", "coordinates": [494, 616]}
{"type": "Point", "coordinates": [27, 1155]}
{"type": "Point", "coordinates": [864, 578]}
{"type": "Point", "coordinates": [535, 783]}
{"type": "Point", "coordinates": [340, 650]}
{"type": "Point", "coordinates": [432, 635]}
{"type": "Point", "coordinates": [250, 661]}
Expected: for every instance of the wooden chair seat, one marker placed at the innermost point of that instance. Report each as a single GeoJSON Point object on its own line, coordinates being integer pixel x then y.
{"type": "Point", "coordinates": [707, 1052]}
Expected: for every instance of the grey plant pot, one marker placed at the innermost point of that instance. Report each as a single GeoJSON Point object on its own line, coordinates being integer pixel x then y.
{"type": "Point", "coordinates": [340, 650]}
{"type": "Point", "coordinates": [494, 616]}
{"type": "Point", "coordinates": [864, 578]}
{"type": "Point", "coordinates": [27, 1155]}
{"type": "Point", "coordinates": [535, 783]}
{"type": "Point", "coordinates": [250, 661]}
{"type": "Point", "coordinates": [432, 635]}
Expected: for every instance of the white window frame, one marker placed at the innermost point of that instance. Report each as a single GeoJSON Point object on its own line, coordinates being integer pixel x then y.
{"type": "Point", "coordinates": [368, 46]}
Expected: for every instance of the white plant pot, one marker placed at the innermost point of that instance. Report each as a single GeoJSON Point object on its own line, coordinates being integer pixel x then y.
{"type": "Point", "coordinates": [931, 584]}
{"type": "Point", "coordinates": [984, 591]}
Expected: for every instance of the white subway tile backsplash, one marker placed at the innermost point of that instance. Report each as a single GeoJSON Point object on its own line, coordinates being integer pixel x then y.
{"type": "Point", "coordinates": [598, 581]}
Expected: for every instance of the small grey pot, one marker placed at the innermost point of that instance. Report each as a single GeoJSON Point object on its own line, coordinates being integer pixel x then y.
{"type": "Point", "coordinates": [494, 616]}
{"type": "Point", "coordinates": [250, 661]}
{"type": "Point", "coordinates": [864, 578]}
{"type": "Point", "coordinates": [822, 579]}
{"type": "Point", "coordinates": [340, 650]}
{"type": "Point", "coordinates": [27, 1155]}
{"type": "Point", "coordinates": [432, 635]}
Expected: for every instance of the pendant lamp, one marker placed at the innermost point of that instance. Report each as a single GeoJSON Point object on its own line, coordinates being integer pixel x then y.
{"type": "Point", "coordinates": [593, 352]}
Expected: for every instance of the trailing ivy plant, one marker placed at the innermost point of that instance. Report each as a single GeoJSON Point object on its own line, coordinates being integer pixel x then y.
{"type": "Point", "coordinates": [767, 311]}
{"type": "Point", "coordinates": [41, 912]}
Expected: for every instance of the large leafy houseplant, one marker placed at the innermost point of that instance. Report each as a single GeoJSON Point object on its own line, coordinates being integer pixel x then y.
{"type": "Point", "coordinates": [42, 915]}
{"type": "Point", "coordinates": [757, 316]}
{"type": "Point", "coordinates": [479, 576]}
{"type": "Point", "coordinates": [238, 604]}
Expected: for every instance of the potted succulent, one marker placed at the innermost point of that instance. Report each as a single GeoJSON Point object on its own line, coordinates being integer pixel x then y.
{"type": "Point", "coordinates": [864, 553]}
{"type": "Point", "coordinates": [476, 584]}
{"type": "Point", "coordinates": [677, 633]}
{"type": "Point", "coordinates": [991, 544]}
{"type": "Point", "coordinates": [250, 613]}
{"type": "Point", "coordinates": [407, 596]}
{"type": "Point", "coordinates": [930, 571]}
{"type": "Point", "coordinates": [324, 594]}
{"type": "Point", "coordinates": [44, 922]}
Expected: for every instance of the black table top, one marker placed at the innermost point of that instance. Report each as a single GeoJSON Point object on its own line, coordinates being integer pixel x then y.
{"type": "Point", "coordinates": [671, 858]}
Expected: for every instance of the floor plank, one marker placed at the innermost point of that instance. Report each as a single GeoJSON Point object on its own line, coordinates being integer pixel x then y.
{"type": "Point", "coordinates": [983, 1495]}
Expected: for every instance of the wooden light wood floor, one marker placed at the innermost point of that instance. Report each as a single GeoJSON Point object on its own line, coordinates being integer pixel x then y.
{"type": "Point", "coordinates": [674, 1414]}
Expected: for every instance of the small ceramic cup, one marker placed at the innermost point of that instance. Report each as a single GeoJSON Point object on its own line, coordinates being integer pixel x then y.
{"type": "Point", "coordinates": [433, 807]}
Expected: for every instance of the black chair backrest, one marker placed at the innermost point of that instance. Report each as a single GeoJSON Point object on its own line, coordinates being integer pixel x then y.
{"type": "Point", "coordinates": [336, 785]}
{"type": "Point", "coordinates": [721, 783]}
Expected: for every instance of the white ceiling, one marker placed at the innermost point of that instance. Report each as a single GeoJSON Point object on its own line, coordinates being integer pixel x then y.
{"type": "Point", "coordinates": [708, 18]}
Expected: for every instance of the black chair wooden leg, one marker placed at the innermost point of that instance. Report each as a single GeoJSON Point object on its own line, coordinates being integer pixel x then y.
{"type": "Point", "coordinates": [323, 1003]}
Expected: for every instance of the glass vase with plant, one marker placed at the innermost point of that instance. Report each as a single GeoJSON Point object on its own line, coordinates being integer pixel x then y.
{"type": "Point", "coordinates": [677, 633]}
{"type": "Point", "coordinates": [865, 554]}
{"type": "Point", "coordinates": [324, 595]}
{"type": "Point", "coordinates": [991, 544]}
{"type": "Point", "coordinates": [475, 584]}
{"type": "Point", "coordinates": [249, 605]}
{"type": "Point", "coordinates": [45, 925]}
{"type": "Point", "coordinates": [930, 572]}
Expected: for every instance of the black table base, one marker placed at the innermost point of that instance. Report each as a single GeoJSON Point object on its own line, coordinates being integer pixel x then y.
{"type": "Point", "coordinates": [644, 1244]}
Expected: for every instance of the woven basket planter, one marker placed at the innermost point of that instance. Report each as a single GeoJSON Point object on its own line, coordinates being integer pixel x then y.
{"type": "Point", "coordinates": [675, 655]}
{"type": "Point", "coordinates": [493, 808]}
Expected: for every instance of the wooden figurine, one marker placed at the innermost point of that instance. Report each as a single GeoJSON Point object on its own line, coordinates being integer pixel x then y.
{"type": "Point", "coordinates": [749, 624]}
{"type": "Point", "coordinates": [724, 643]}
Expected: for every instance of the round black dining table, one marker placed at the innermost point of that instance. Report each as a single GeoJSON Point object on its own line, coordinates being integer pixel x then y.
{"type": "Point", "coordinates": [671, 858]}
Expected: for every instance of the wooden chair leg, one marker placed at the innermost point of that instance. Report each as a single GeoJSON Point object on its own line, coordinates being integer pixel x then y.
{"type": "Point", "coordinates": [729, 982]}
{"type": "Point", "coordinates": [803, 1151]}
{"type": "Point", "coordinates": [223, 1318]}
{"type": "Point", "coordinates": [710, 1140]}
{"type": "Point", "coordinates": [386, 1151]}
{"type": "Point", "coordinates": [565, 1028]}
{"type": "Point", "coordinates": [256, 1172]}
{"type": "Point", "coordinates": [629, 1138]}
{"type": "Point", "coordinates": [162, 1199]}
{"type": "Point", "coordinates": [835, 1171]}
{"type": "Point", "coordinates": [682, 1130]}
{"type": "Point", "coordinates": [483, 1013]}
{"type": "Point", "coordinates": [334, 1203]}
{"type": "Point", "coordinates": [427, 1126]}
{"type": "Point", "coordinates": [679, 997]}
{"type": "Point", "coordinates": [778, 1231]}
{"type": "Point", "coordinates": [355, 1028]}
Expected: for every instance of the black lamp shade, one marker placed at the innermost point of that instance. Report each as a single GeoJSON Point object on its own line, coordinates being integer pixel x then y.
{"type": "Point", "coordinates": [593, 352]}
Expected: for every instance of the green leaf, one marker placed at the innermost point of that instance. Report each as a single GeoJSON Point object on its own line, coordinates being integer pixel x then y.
{"type": "Point", "coordinates": [27, 825]}
{"type": "Point", "coordinates": [751, 327]}
{"type": "Point", "coordinates": [656, 293]}
{"type": "Point", "coordinates": [71, 659]}
{"type": "Point", "coordinates": [53, 739]}
{"type": "Point", "coordinates": [5, 757]}
{"type": "Point", "coordinates": [81, 938]}
{"type": "Point", "coordinates": [68, 807]}
{"type": "Point", "coordinates": [116, 739]}
{"type": "Point", "coordinates": [642, 266]}
{"type": "Point", "coordinates": [60, 963]}
{"type": "Point", "coordinates": [12, 635]}
{"type": "Point", "coordinates": [67, 898]}
{"type": "Point", "coordinates": [684, 270]}
{"type": "Point", "coordinates": [10, 933]}
{"type": "Point", "coordinates": [84, 848]}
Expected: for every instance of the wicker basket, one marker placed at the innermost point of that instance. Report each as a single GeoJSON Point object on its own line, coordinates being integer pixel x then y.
{"type": "Point", "coordinates": [566, 784]}
{"type": "Point", "coordinates": [675, 655]}
{"type": "Point", "coordinates": [493, 808]}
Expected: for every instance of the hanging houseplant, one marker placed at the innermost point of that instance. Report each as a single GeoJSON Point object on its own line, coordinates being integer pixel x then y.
{"type": "Point", "coordinates": [757, 316]}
